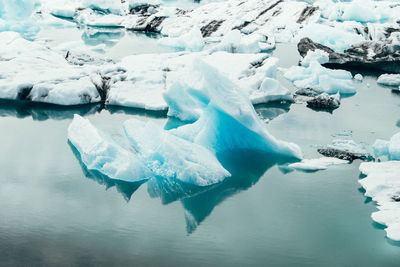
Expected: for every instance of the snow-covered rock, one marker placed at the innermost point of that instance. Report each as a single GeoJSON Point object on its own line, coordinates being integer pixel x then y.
{"type": "Point", "coordinates": [99, 152]}
{"type": "Point", "coordinates": [382, 55]}
{"type": "Point", "coordinates": [382, 184]}
{"type": "Point", "coordinates": [324, 102]}
{"type": "Point", "coordinates": [172, 157]}
{"type": "Point", "coordinates": [226, 118]}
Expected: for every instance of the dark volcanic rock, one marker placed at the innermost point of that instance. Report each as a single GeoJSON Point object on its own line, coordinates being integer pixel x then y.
{"type": "Point", "coordinates": [306, 13]}
{"type": "Point", "coordinates": [307, 92]}
{"type": "Point", "coordinates": [334, 153]}
{"type": "Point", "coordinates": [211, 27]}
{"type": "Point", "coordinates": [378, 55]}
{"type": "Point", "coordinates": [324, 102]}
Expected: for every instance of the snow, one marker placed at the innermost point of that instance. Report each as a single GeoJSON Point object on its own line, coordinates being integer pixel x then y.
{"type": "Point", "coordinates": [309, 165]}
{"type": "Point", "coordinates": [389, 79]}
{"type": "Point", "coordinates": [29, 71]}
{"type": "Point", "coordinates": [390, 149]}
{"type": "Point", "coordinates": [313, 75]}
{"type": "Point", "coordinates": [99, 152]}
{"type": "Point", "coordinates": [172, 157]}
{"type": "Point", "coordinates": [336, 36]}
{"type": "Point", "coordinates": [227, 119]}
{"type": "Point", "coordinates": [382, 184]}
{"type": "Point", "coordinates": [190, 41]}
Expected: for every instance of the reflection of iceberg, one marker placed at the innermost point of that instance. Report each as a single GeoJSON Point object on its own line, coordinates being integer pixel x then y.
{"type": "Point", "coordinates": [268, 112]}
{"type": "Point", "coordinates": [42, 111]}
{"type": "Point", "coordinates": [246, 168]}
{"type": "Point", "coordinates": [97, 36]}
{"type": "Point", "coordinates": [125, 188]}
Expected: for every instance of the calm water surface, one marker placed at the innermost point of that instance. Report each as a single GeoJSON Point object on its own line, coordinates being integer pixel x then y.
{"type": "Point", "coordinates": [54, 212]}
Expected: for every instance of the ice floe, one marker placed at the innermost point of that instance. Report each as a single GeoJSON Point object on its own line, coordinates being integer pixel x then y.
{"type": "Point", "coordinates": [29, 71]}
{"type": "Point", "coordinates": [311, 165]}
{"type": "Point", "coordinates": [382, 184]}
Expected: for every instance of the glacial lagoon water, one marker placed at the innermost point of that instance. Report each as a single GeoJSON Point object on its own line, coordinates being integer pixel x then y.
{"type": "Point", "coordinates": [54, 212]}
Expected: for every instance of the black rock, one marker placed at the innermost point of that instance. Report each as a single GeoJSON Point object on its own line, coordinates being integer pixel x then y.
{"type": "Point", "coordinates": [378, 55]}
{"type": "Point", "coordinates": [345, 155]}
{"type": "Point", "coordinates": [323, 102]}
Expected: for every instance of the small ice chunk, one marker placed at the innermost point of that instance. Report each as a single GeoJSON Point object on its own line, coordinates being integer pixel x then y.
{"type": "Point", "coordinates": [191, 41]}
{"type": "Point", "coordinates": [170, 156]}
{"type": "Point", "coordinates": [389, 79]}
{"type": "Point", "coordinates": [318, 55]}
{"type": "Point", "coordinates": [270, 91]}
{"type": "Point", "coordinates": [382, 184]}
{"type": "Point", "coordinates": [99, 152]}
{"type": "Point", "coordinates": [316, 164]}
{"type": "Point", "coordinates": [358, 77]}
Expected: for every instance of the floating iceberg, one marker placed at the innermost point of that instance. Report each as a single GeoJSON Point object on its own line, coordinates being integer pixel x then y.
{"type": "Point", "coordinates": [98, 152]}
{"type": "Point", "coordinates": [389, 79]}
{"type": "Point", "coordinates": [313, 75]}
{"type": "Point", "coordinates": [311, 165]}
{"type": "Point", "coordinates": [169, 156]}
{"type": "Point", "coordinates": [390, 149]}
{"type": "Point", "coordinates": [191, 41]}
{"type": "Point", "coordinates": [227, 119]}
{"type": "Point", "coordinates": [382, 184]}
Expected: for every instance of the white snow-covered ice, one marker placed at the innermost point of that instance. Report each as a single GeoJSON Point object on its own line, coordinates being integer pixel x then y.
{"type": "Point", "coordinates": [382, 184]}
{"type": "Point", "coordinates": [310, 165]}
